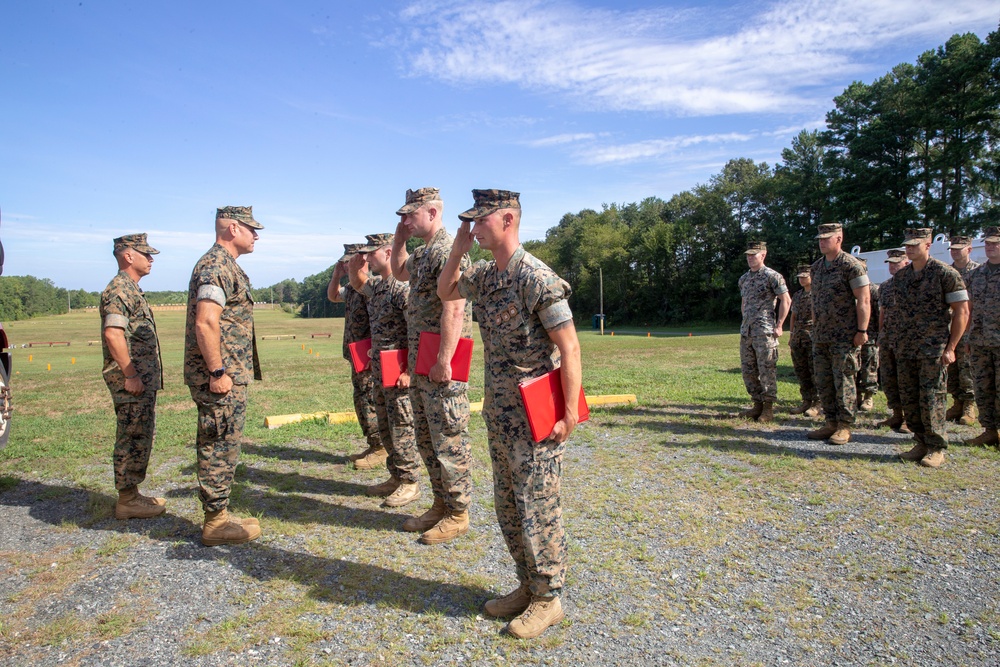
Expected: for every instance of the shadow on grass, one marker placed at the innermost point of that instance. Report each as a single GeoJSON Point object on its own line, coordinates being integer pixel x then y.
{"type": "Point", "coordinates": [328, 579]}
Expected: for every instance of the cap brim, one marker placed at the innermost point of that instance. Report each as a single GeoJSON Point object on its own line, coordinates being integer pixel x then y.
{"type": "Point", "coordinates": [473, 213]}
{"type": "Point", "coordinates": [992, 239]}
{"type": "Point", "coordinates": [959, 246]}
{"type": "Point", "coordinates": [826, 236]}
{"type": "Point", "coordinates": [753, 252]}
{"type": "Point", "coordinates": [894, 260]}
{"type": "Point", "coordinates": [915, 241]}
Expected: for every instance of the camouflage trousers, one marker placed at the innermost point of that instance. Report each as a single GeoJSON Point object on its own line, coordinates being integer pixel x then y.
{"type": "Point", "coordinates": [136, 429]}
{"type": "Point", "coordinates": [527, 485]}
{"type": "Point", "coordinates": [867, 377]}
{"type": "Point", "coordinates": [802, 362]}
{"type": "Point", "coordinates": [395, 429]}
{"type": "Point", "coordinates": [220, 432]}
{"type": "Point", "coordinates": [364, 404]}
{"type": "Point", "coordinates": [985, 363]}
{"type": "Point", "coordinates": [888, 377]}
{"type": "Point", "coordinates": [922, 383]}
{"type": "Point", "coordinates": [759, 364]}
{"type": "Point", "coordinates": [960, 383]}
{"type": "Point", "coordinates": [835, 366]}
{"type": "Point", "coordinates": [441, 424]}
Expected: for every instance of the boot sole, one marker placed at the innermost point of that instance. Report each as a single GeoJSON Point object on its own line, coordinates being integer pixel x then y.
{"type": "Point", "coordinates": [218, 542]}
{"type": "Point", "coordinates": [556, 621]}
{"type": "Point", "coordinates": [390, 502]}
{"type": "Point", "coordinates": [128, 515]}
{"type": "Point", "coordinates": [439, 540]}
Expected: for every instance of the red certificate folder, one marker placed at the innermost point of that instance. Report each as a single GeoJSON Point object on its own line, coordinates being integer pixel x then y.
{"type": "Point", "coordinates": [544, 403]}
{"type": "Point", "coordinates": [393, 364]}
{"type": "Point", "coordinates": [427, 355]}
{"type": "Point", "coordinates": [359, 354]}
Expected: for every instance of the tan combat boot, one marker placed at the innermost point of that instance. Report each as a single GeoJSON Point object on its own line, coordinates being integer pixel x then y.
{"type": "Point", "coordinates": [374, 459]}
{"type": "Point", "coordinates": [513, 603]}
{"type": "Point", "coordinates": [814, 410]}
{"type": "Point", "coordinates": [541, 614]}
{"type": "Point", "coordinates": [362, 454]}
{"type": "Point", "coordinates": [384, 488]}
{"type": "Point", "coordinates": [867, 402]}
{"type": "Point", "coordinates": [133, 505]}
{"type": "Point", "coordinates": [754, 412]}
{"type": "Point", "coordinates": [767, 414]}
{"type": "Point", "coordinates": [987, 438]}
{"type": "Point", "coordinates": [934, 458]}
{"type": "Point", "coordinates": [404, 494]}
{"type": "Point", "coordinates": [841, 436]}
{"type": "Point", "coordinates": [918, 452]}
{"type": "Point", "coordinates": [454, 524]}
{"type": "Point", "coordinates": [954, 412]}
{"type": "Point", "coordinates": [969, 413]}
{"type": "Point", "coordinates": [418, 524]}
{"type": "Point", "coordinates": [823, 432]}
{"type": "Point", "coordinates": [220, 528]}
{"type": "Point", "coordinates": [800, 408]}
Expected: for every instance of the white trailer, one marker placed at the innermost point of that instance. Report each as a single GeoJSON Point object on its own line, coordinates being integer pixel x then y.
{"type": "Point", "coordinates": [878, 270]}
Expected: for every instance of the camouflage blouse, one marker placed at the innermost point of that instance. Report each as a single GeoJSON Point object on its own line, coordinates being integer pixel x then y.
{"type": "Point", "coordinates": [802, 316]}
{"type": "Point", "coordinates": [834, 306]}
{"type": "Point", "coordinates": [923, 300]}
{"type": "Point", "coordinates": [759, 289]}
{"type": "Point", "coordinates": [356, 324]}
{"type": "Point", "coordinates": [887, 307]}
{"type": "Point", "coordinates": [123, 305]}
{"type": "Point", "coordinates": [984, 292]}
{"type": "Point", "coordinates": [386, 299]}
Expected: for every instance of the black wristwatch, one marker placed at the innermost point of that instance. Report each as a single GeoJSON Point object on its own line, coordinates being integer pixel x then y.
{"type": "Point", "coordinates": [218, 372]}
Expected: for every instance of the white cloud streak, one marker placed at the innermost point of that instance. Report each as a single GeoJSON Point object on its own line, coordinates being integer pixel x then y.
{"type": "Point", "coordinates": [657, 60]}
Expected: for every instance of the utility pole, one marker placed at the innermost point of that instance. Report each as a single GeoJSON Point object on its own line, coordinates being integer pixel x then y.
{"type": "Point", "coordinates": [600, 273]}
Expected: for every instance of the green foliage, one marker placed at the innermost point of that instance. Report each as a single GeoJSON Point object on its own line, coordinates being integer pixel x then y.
{"type": "Point", "coordinates": [26, 296]}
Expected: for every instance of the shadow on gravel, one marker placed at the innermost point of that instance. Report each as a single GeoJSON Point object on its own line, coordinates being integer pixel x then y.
{"type": "Point", "coordinates": [286, 453]}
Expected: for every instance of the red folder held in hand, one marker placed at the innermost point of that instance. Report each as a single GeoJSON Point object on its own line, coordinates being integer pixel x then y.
{"type": "Point", "coordinates": [393, 365]}
{"type": "Point", "coordinates": [359, 350]}
{"type": "Point", "coordinates": [427, 355]}
{"type": "Point", "coordinates": [544, 403]}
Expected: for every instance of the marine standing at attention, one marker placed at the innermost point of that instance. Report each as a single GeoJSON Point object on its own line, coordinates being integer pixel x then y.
{"type": "Point", "coordinates": [527, 328]}
{"type": "Point", "coordinates": [960, 384]}
{"type": "Point", "coordinates": [889, 322]}
{"type": "Point", "coordinates": [800, 325]}
{"type": "Point", "coordinates": [984, 338]}
{"type": "Point", "coordinates": [133, 372]}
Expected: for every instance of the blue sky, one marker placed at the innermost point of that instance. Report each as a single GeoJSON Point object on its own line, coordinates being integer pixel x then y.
{"type": "Point", "coordinates": [120, 117]}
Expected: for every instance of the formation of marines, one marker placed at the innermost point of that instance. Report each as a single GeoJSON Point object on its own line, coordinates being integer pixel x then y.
{"type": "Point", "coordinates": [930, 329]}
{"type": "Point", "coordinates": [393, 298]}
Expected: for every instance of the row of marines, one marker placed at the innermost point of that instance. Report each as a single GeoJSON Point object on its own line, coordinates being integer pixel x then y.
{"type": "Point", "coordinates": [928, 330]}
{"type": "Point", "coordinates": [392, 297]}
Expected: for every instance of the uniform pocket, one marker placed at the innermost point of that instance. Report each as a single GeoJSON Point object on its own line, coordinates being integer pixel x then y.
{"type": "Point", "coordinates": [547, 469]}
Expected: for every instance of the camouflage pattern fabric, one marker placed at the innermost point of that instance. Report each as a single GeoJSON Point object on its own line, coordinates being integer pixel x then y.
{"type": "Point", "coordinates": [984, 341]}
{"type": "Point", "coordinates": [759, 366]}
{"type": "Point", "coordinates": [834, 307]}
{"type": "Point", "coordinates": [922, 391]}
{"type": "Point", "coordinates": [218, 277]}
{"type": "Point", "coordinates": [835, 366]}
{"type": "Point", "coordinates": [356, 324]}
{"type": "Point", "coordinates": [758, 346]}
{"type": "Point", "coordinates": [515, 309]}
{"type": "Point", "coordinates": [887, 308]}
{"type": "Point", "coordinates": [800, 344]}
{"type": "Point", "coordinates": [387, 301]}
{"type": "Point", "coordinates": [440, 411]}
{"type": "Point", "coordinates": [867, 378]}
{"type": "Point", "coordinates": [221, 418]}
{"type": "Point", "coordinates": [357, 327]}
{"type": "Point", "coordinates": [888, 376]}
{"type": "Point", "coordinates": [960, 382]}
{"type": "Point", "coordinates": [887, 345]}
{"type": "Point", "coordinates": [124, 305]}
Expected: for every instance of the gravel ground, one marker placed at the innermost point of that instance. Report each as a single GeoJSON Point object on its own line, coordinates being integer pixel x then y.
{"type": "Point", "coordinates": [694, 540]}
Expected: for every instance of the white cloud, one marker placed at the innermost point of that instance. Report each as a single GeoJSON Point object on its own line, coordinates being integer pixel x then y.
{"type": "Point", "coordinates": [654, 148]}
{"type": "Point", "coordinates": [561, 139]}
{"type": "Point", "coordinates": [659, 60]}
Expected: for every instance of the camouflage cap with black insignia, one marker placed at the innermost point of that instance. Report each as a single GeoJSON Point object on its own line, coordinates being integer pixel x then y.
{"type": "Point", "coordinates": [136, 242]}
{"type": "Point", "coordinates": [895, 256]}
{"type": "Point", "coordinates": [490, 201]}
{"type": "Point", "coordinates": [917, 235]}
{"type": "Point", "coordinates": [959, 242]}
{"type": "Point", "coordinates": [803, 271]}
{"type": "Point", "coordinates": [992, 234]}
{"type": "Point", "coordinates": [242, 214]}
{"type": "Point", "coordinates": [828, 229]}
{"type": "Point", "coordinates": [755, 247]}
{"type": "Point", "coordinates": [417, 198]}
{"type": "Point", "coordinates": [376, 241]}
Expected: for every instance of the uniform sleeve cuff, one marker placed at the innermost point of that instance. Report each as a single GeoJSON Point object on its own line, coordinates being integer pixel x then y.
{"type": "Point", "coordinates": [860, 281]}
{"type": "Point", "coordinates": [555, 314]}
{"type": "Point", "coordinates": [115, 320]}
{"type": "Point", "coordinates": [212, 293]}
{"type": "Point", "coordinates": [956, 297]}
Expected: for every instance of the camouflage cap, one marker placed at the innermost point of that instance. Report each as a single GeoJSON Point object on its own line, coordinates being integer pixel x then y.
{"type": "Point", "coordinates": [918, 235]}
{"type": "Point", "coordinates": [755, 247]}
{"type": "Point", "coordinates": [417, 198]}
{"type": "Point", "coordinates": [803, 271]}
{"type": "Point", "coordinates": [960, 242]}
{"type": "Point", "coordinates": [828, 229]}
{"type": "Point", "coordinates": [489, 201]}
{"type": "Point", "coordinates": [895, 256]}
{"type": "Point", "coordinates": [350, 250]}
{"type": "Point", "coordinates": [992, 234]}
{"type": "Point", "coordinates": [136, 242]}
{"type": "Point", "coordinates": [242, 214]}
{"type": "Point", "coordinates": [376, 241]}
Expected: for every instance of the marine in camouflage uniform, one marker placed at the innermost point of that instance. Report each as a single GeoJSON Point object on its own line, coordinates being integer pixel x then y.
{"type": "Point", "coordinates": [932, 298]}
{"type": "Point", "coordinates": [218, 372]}
{"type": "Point", "coordinates": [387, 302]}
{"type": "Point", "coordinates": [527, 329]}
{"type": "Point", "coordinates": [440, 404]}
{"type": "Point", "coordinates": [984, 338]}
{"type": "Point", "coordinates": [760, 288]}
{"type": "Point", "coordinates": [800, 344]}
{"type": "Point", "coordinates": [889, 322]}
{"type": "Point", "coordinates": [960, 383]}
{"type": "Point", "coordinates": [358, 328]}
{"type": "Point", "coordinates": [867, 377]}
{"type": "Point", "coordinates": [133, 372]}
{"type": "Point", "coordinates": [840, 322]}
